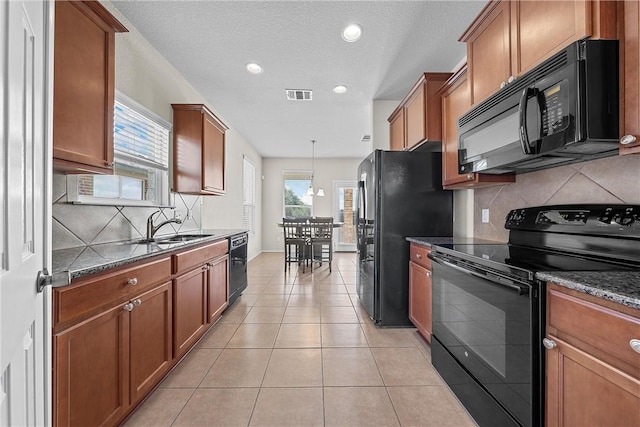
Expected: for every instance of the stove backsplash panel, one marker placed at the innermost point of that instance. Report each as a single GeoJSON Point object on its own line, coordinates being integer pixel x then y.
{"type": "Point", "coordinates": [81, 225]}
{"type": "Point", "coordinates": [609, 180]}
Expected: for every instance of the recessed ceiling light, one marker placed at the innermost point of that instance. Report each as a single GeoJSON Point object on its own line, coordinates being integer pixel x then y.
{"type": "Point", "coordinates": [352, 33]}
{"type": "Point", "coordinates": [340, 89]}
{"type": "Point", "coordinates": [254, 68]}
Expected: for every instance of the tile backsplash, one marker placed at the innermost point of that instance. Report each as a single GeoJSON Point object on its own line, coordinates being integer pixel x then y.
{"type": "Point", "coordinates": [613, 180]}
{"type": "Point", "coordinates": [76, 225]}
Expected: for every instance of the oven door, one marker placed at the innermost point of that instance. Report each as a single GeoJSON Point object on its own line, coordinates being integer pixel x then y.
{"type": "Point", "coordinates": [489, 324]}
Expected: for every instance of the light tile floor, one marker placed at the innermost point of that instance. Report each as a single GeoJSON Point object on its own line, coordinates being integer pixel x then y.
{"type": "Point", "coordinates": [298, 350]}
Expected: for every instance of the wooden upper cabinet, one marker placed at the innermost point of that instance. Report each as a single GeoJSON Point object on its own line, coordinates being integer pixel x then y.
{"type": "Point", "coordinates": [488, 50]}
{"type": "Point", "coordinates": [630, 79]}
{"type": "Point", "coordinates": [397, 140]}
{"type": "Point", "coordinates": [83, 87]}
{"type": "Point", "coordinates": [198, 150]}
{"type": "Point", "coordinates": [418, 118]}
{"type": "Point", "coordinates": [456, 101]}
{"type": "Point", "coordinates": [508, 38]}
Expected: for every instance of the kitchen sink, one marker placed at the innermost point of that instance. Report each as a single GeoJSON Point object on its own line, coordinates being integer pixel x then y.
{"type": "Point", "coordinates": [168, 240]}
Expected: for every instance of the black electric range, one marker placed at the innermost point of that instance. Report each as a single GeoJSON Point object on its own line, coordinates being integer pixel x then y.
{"type": "Point", "coordinates": [488, 308]}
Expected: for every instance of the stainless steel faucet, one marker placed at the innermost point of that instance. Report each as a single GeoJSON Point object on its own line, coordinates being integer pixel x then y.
{"type": "Point", "coordinates": [152, 229]}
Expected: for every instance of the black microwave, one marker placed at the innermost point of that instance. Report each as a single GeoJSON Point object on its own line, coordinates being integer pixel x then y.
{"type": "Point", "coordinates": [565, 110]}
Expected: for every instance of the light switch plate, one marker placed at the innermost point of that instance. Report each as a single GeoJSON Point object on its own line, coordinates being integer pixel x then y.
{"type": "Point", "coordinates": [485, 216]}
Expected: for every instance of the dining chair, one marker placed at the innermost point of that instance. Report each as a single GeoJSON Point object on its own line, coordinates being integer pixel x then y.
{"type": "Point", "coordinates": [296, 242]}
{"type": "Point", "coordinates": [321, 240]}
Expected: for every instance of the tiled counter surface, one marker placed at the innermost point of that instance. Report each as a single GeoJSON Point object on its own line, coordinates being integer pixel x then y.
{"type": "Point", "coordinates": [622, 287]}
{"type": "Point", "coordinates": [72, 263]}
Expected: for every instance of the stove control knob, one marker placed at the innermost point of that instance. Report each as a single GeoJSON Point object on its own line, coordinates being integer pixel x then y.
{"type": "Point", "coordinates": [549, 344]}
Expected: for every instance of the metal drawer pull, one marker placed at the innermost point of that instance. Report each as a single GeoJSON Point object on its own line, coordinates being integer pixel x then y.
{"type": "Point", "coordinates": [133, 281]}
{"type": "Point", "coordinates": [418, 256]}
{"type": "Point", "coordinates": [128, 306]}
{"type": "Point", "coordinates": [549, 344]}
{"type": "Point", "coordinates": [627, 139]}
{"type": "Point", "coordinates": [635, 345]}
{"type": "Point", "coordinates": [136, 302]}
{"type": "Point", "coordinates": [428, 274]}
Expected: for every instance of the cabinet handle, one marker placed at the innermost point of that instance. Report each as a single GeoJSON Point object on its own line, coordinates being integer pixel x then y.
{"type": "Point", "coordinates": [418, 256]}
{"type": "Point", "coordinates": [503, 84]}
{"type": "Point", "coordinates": [128, 306]}
{"type": "Point", "coordinates": [133, 281]}
{"type": "Point", "coordinates": [549, 344]}
{"type": "Point", "coordinates": [205, 267]}
{"type": "Point", "coordinates": [428, 274]}
{"type": "Point", "coordinates": [510, 79]}
{"type": "Point", "coordinates": [136, 302]}
{"type": "Point", "coordinates": [635, 345]}
{"type": "Point", "coordinates": [469, 176]}
{"type": "Point", "coordinates": [627, 139]}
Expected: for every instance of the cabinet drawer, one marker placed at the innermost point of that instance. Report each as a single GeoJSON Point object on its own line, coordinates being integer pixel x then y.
{"type": "Point", "coordinates": [184, 261]}
{"type": "Point", "coordinates": [595, 327]}
{"type": "Point", "coordinates": [87, 296]}
{"type": "Point", "coordinates": [419, 255]}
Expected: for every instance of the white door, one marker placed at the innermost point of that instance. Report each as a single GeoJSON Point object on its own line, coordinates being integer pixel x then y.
{"type": "Point", "coordinates": [344, 210]}
{"type": "Point", "coordinates": [24, 180]}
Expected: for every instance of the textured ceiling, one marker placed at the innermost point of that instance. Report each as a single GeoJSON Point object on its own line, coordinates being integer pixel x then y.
{"type": "Point", "coordinates": [299, 46]}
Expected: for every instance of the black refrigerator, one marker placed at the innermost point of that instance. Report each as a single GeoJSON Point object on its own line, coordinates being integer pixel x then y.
{"type": "Point", "coordinates": [399, 195]}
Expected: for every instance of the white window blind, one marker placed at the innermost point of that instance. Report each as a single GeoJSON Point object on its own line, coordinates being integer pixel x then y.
{"type": "Point", "coordinates": [249, 194]}
{"type": "Point", "coordinates": [139, 138]}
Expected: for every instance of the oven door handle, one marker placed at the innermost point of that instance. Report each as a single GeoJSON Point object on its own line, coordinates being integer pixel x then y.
{"type": "Point", "coordinates": [522, 290]}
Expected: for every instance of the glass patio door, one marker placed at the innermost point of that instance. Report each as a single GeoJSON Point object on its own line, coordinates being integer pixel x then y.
{"type": "Point", "coordinates": [344, 208]}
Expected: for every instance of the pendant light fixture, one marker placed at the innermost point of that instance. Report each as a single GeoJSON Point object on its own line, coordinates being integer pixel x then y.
{"type": "Point", "coordinates": [310, 190]}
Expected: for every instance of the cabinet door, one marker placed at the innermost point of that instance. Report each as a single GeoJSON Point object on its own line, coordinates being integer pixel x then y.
{"type": "Point", "coordinates": [91, 374]}
{"type": "Point", "coordinates": [83, 90]}
{"type": "Point", "coordinates": [420, 299]}
{"type": "Point", "coordinates": [415, 110]}
{"type": "Point", "coordinates": [489, 50]}
{"type": "Point", "coordinates": [396, 128]}
{"type": "Point", "coordinates": [581, 390]}
{"type": "Point", "coordinates": [631, 77]}
{"type": "Point", "coordinates": [150, 341]}
{"type": "Point", "coordinates": [218, 298]}
{"type": "Point", "coordinates": [542, 28]}
{"type": "Point", "coordinates": [212, 157]}
{"type": "Point", "coordinates": [189, 309]}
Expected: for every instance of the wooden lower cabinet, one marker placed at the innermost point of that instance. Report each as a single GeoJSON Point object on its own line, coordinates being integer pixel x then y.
{"type": "Point", "coordinates": [420, 299]}
{"type": "Point", "coordinates": [629, 15]}
{"type": "Point", "coordinates": [584, 391]}
{"type": "Point", "coordinates": [420, 289]}
{"type": "Point", "coordinates": [91, 371]}
{"type": "Point", "coordinates": [592, 371]}
{"type": "Point", "coordinates": [150, 340]}
{"type": "Point", "coordinates": [218, 287]}
{"type": "Point", "coordinates": [189, 309]}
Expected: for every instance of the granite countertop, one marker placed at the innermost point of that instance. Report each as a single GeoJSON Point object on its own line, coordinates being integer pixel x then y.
{"type": "Point", "coordinates": [429, 241]}
{"type": "Point", "coordinates": [73, 263]}
{"type": "Point", "coordinates": [622, 287]}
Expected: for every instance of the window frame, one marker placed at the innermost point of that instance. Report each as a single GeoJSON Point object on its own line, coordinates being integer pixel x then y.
{"type": "Point", "coordinates": [284, 179]}
{"type": "Point", "coordinates": [162, 176]}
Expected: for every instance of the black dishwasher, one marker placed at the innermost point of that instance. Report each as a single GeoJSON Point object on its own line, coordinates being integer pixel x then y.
{"type": "Point", "coordinates": [237, 265]}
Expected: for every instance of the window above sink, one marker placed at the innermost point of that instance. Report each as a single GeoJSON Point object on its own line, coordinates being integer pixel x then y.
{"type": "Point", "coordinates": [141, 160]}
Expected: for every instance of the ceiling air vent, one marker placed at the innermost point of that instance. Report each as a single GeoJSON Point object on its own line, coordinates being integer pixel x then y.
{"type": "Point", "coordinates": [299, 94]}
{"type": "Point", "coordinates": [365, 138]}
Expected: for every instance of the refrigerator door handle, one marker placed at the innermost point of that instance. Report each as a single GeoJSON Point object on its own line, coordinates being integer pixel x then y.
{"type": "Point", "coordinates": [362, 212]}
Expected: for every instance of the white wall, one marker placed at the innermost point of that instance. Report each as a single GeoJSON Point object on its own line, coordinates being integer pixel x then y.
{"type": "Point", "coordinates": [144, 75]}
{"type": "Point", "coordinates": [326, 171]}
{"type": "Point", "coordinates": [380, 112]}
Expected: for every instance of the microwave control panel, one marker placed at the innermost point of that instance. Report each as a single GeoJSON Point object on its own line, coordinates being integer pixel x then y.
{"type": "Point", "coordinates": [555, 109]}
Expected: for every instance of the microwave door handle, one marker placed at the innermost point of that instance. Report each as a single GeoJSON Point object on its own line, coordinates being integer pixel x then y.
{"type": "Point", "coordinates": [524, 137]}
